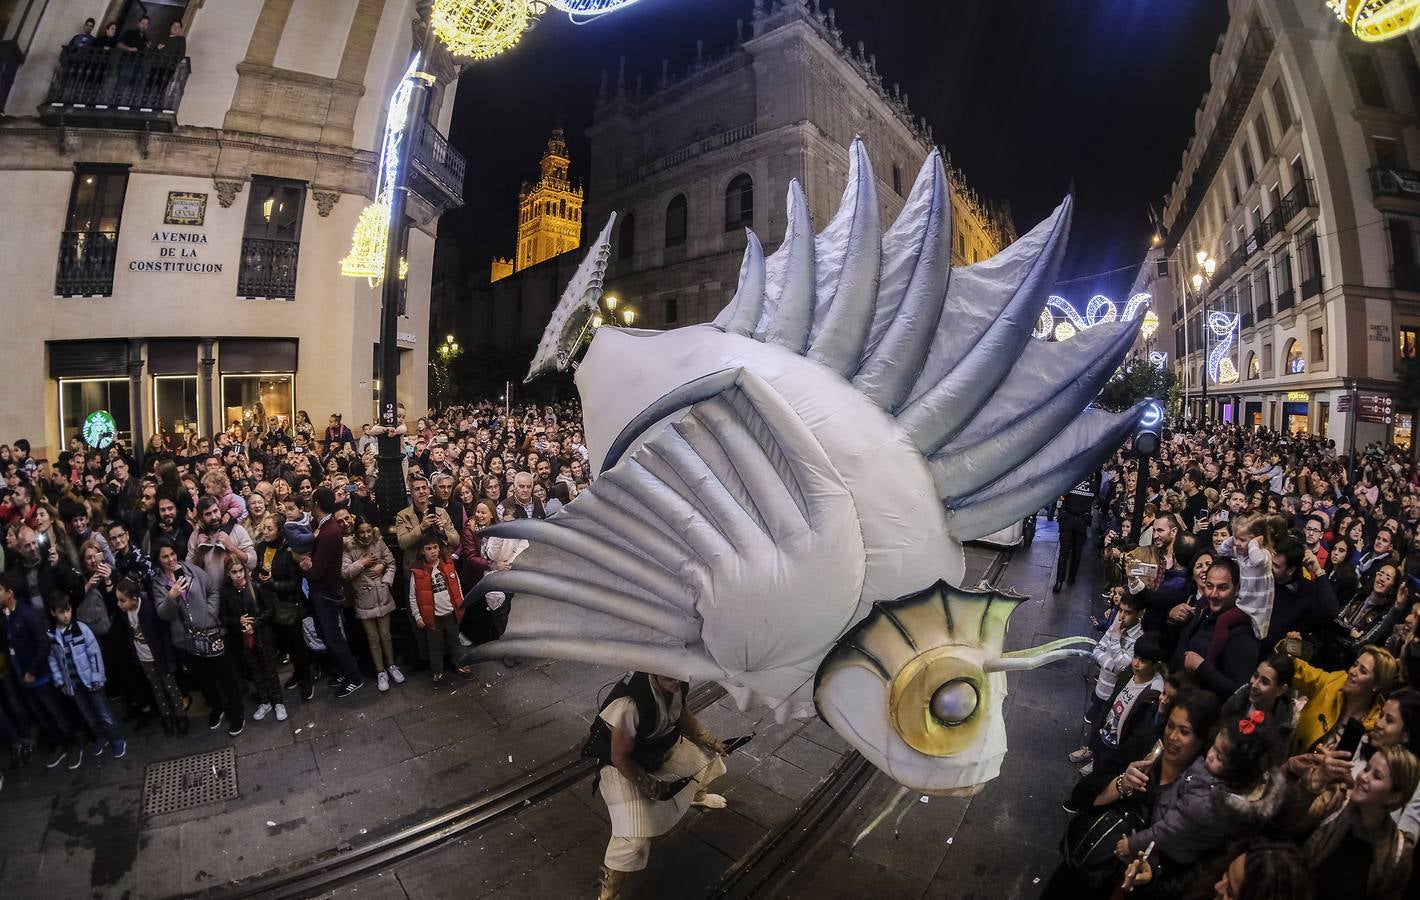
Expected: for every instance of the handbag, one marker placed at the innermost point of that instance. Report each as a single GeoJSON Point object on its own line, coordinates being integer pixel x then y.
{"type": "Point", "coordinates": [206, 642]}
{"type": "Point", "coordinates": [1090, 839]}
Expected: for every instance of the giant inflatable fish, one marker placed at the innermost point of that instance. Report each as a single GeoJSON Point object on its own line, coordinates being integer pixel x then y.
{"type": "Point", "coordinates": [783, 493]}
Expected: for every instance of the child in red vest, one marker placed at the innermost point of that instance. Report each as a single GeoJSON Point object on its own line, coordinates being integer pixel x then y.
{"type": "Point", "coordinates": [436, 602]}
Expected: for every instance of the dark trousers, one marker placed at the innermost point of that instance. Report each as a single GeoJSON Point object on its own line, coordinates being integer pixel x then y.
{"type": "Point", "coordinates": [217, 678]}
{"type": "Point", "coordinates": [1072, 546]}
{"type": "Point", "coordinates": [14, 706]}
{"type": "Point", "coordinates": [51, 710]}
{"type": "Point", "coordinates": [328, 615]}
{"type": "Point", "coordinates": [261, 664]}
{"type": "Point", "coordinates": [290, 639]}
{"type": "Point", "coordinates": [98, 715]}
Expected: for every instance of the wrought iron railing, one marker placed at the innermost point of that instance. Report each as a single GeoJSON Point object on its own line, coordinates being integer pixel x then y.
{"type": "Point", "coordinates": [268, 268]}
{"type": "Point", "coordinates": [1311, 286]}
{"type": "Point", "coordinates": [1286, 300]}
{"type": "Point", "coordinates": [1299, 198]}
{"type": "Point", "coordinates": [1391, 182]}
{"type": "Point", "coordinates": [1264, 311]}
{"type": "Point", "coordinates": [97, 82]}
{"type": "Point", "coordinates": [439, 167]}
{"type": "Point", "coordinates": [86, 261]}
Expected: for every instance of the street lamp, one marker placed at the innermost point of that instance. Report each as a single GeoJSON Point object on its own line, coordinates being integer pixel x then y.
{"type": "Point", "coordinates": [1206, 267]}
{"type": "Point", "coordinates": [628, 316]}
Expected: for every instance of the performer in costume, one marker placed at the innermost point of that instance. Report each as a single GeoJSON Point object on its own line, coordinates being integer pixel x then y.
{"type": "Point", "coordinates": [656, 760]}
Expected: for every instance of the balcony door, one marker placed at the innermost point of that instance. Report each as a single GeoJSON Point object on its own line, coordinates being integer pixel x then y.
{"type": "Point", "coordinates": [90, 240]}
{"type": "Point", "coordinates": [272, 238]}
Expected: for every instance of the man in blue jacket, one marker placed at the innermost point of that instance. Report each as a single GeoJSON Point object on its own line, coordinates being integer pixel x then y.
{"type": "Point", "coordinates": [27, 643]}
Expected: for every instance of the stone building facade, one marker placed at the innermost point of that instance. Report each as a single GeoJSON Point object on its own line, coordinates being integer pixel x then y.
{"type": "Point", "coordinates": [1297, 184]}
{"type": "Point", "coordinates": [691, 163]}
{"type": "Point", "coordinates": [176, 218]}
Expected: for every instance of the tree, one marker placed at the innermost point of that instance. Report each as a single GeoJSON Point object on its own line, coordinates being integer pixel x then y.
{"type": "Point", "coordinates": [1137, 380]}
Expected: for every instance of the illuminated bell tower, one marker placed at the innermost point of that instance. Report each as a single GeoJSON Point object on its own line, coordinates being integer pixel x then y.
{"type": "Point", "coordinates": [550, 212]}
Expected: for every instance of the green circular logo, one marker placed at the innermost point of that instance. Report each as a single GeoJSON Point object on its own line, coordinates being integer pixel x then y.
{"type": "Point", "coordinates": [100, 429]}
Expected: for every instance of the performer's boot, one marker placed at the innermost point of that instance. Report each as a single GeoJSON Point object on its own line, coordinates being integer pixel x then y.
{"type": "Point", "coordinates": [612, 882]}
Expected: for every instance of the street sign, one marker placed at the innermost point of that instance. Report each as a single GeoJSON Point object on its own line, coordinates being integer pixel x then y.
{"type": "Point", "coordinates": [1374, 408]}
{"type": "Point", "coordinates": [1343, 403]}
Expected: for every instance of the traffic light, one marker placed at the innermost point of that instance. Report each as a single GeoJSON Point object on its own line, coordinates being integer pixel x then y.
{"type": "Point", "coordinates": [1148, 433]}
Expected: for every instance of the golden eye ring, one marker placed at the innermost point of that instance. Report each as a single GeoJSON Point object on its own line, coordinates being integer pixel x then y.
{"type": "Point", "coordinates": [935, 699]}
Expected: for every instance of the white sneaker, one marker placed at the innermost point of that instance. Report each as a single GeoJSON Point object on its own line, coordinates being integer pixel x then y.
{"type": "Point", "coordinates": [262, 712]}
{"type": "Point", "coordinates": [465, 642]}
{"type": "Point", "coordinates": [280, 712]}
{"type": "Point", "coordinates": [383, 681]}
{"type": "Point", "coordinates": [396, 674]}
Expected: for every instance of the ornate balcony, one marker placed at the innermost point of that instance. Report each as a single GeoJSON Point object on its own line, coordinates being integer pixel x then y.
{"type": "Point", "coordinates": [1300, 199]}
{"type": "Point", "coordinates": [86, 264]}
{"type": "Point", "coordinates": [1389, 182]}
{"type": "Point", "coordinates": [268, 269]}
{"type": "Point", "coordinates": [115, 89]}
{"type": "Point", "coordinates": [436, 169]}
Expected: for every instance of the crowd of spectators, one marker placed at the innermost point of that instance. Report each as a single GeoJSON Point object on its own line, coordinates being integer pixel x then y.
{"type": "Point", "coordinates": [1253, 722]}
{"type": "Point", "coordinates": [239, 572]}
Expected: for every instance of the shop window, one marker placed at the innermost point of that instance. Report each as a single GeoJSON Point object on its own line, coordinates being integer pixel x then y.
{"type": "Point", "coordinates": [1254, 368]}
{"type": "Point", "coordinates": [739, 202]}
{"type": "Point", "coordinates": [89, 244]}
{"type": "Point", "coordinates": [1295, 363]}
{"type": "Point", "coordinates": [676, 214]}
{"type": "Point", "coordinates": [175, 405]}
{"type": "Point", "coordinates": [80, 398]}
{"type": "Point", "coordinates": [249, 398]}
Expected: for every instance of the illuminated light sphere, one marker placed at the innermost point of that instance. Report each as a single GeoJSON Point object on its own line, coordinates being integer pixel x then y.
{"type": "Point", "coordinates": [368, 246]}
{"type": "Point", "coordinates": [589, 8]}
{"type": "Point", "coordinates": [479, 29]}
{"type": "Point", "coordinates": [1064, 331]}
{"type": "Point", "coordinates": [1377, 20]}
{"type": "Point", "coordinates": [1150, 326]}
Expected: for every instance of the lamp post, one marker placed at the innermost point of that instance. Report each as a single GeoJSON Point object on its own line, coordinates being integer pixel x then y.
{"type": "Point", "coordinates": [1206, 268]}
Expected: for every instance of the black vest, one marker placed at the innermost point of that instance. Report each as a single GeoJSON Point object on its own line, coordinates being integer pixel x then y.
{"type": "Point", "coordinates": [649, 753]}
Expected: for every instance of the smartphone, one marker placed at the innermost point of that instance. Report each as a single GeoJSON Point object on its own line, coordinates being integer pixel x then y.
{"type": "Point", "coordinates": [1143, 570]}
{"type": "Point", "coordinates": [1351, 737]}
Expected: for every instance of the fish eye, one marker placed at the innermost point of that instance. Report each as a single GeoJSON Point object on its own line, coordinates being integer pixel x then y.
{"type": "Point", "coordinates": [955, 701]}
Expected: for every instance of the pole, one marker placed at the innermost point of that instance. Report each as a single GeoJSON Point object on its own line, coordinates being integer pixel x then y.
{"type": "Point", "coordinates": [390, 490]}
{"type": "Point", "coordinates": [1351, 437]}
{"type": "Point", "coordinates": [1141, 494]}
{"type": "Point", "coordinates": [1204, 297]}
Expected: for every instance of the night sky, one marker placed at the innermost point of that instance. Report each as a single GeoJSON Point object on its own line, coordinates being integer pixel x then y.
{"type": "Point", "coordinates": [1027, 96]}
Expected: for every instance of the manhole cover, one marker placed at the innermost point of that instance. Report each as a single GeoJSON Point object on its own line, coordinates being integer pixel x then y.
{"type": "Point", "coordinates": [190, 781]}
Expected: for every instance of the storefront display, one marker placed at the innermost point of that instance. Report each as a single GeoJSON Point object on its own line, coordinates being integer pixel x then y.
{"type": "Point", "coordinates": [79, 398]}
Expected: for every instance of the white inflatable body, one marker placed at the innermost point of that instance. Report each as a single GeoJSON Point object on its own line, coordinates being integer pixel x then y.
{"type": "Point", "coordinates": [783, 492]}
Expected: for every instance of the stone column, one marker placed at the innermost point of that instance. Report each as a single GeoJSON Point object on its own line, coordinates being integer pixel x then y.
{"type": "Point", "coordinates": [207, 400]}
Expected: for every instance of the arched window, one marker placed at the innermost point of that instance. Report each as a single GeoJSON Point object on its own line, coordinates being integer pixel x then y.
{"type": "Point", "coordinates": [739, 202]}
{"type": "Point", "coordinates": [562, 208]}
{"type": "Point", "coordinates": [1295, 363]}
{"type": "Point", "coordinates": [626, 237]}
{"type": "Point", "coordinates": [1254, 367]}
{"type": "Point", "coordinates": [675, 221]}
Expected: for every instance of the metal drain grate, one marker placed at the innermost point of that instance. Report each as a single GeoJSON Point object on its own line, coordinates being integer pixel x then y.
{"type": "Point", "coordinates": [190, 781]}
